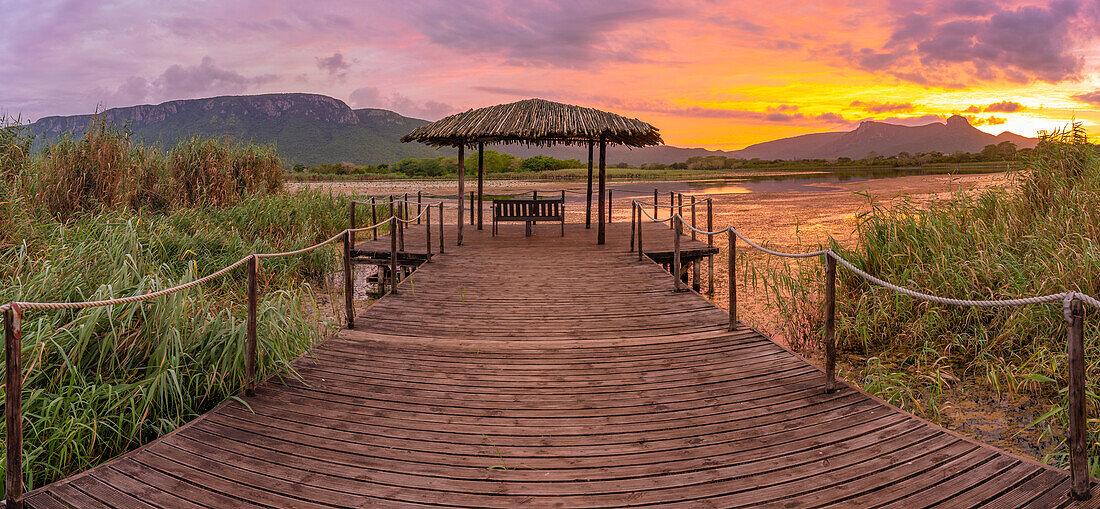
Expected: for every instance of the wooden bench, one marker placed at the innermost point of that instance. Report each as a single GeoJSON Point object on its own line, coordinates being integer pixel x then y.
{"type": "Point", "coordinates": [529, 210]}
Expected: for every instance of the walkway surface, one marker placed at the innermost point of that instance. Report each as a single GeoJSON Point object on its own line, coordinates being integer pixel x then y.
{"type": "Point", "coordinates": [551, 372]}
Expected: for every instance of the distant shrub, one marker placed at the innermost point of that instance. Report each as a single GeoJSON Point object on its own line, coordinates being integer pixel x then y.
{"type": "Point", "coordinates": [544, 163]}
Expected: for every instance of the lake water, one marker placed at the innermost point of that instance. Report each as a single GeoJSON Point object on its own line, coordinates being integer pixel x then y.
{"type": "Point", "coordinates": [801, 181]}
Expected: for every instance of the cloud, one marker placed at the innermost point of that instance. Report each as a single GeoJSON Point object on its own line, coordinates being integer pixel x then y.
{"type": "Point", "coordinates": [974, 40]}
{"type": "Point", "coordinates": [567, 34]}
{"type": "Point", "coordinates": [1092, 98]}
{"type": "Point", "coordinates": [1004, 107]}
{"type": "Point", "coordinates": [182, 82]}
{"type": "Point", "coordinates": [973, 109]}
{"type": "Point", "coordinates": [874, 107]}
{"type": "Point", "coordinates": [371, 97]}
{"type": "Point", "coordinates": [334, 65]}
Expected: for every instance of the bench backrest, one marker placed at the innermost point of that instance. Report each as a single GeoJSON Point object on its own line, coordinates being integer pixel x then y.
{"type": "Point", "coordinates": [526, 209]}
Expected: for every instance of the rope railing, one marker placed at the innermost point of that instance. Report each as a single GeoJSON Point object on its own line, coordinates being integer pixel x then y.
{"type": "Point", "coordinates": [13, 313]}
{"type": "Point", "coordinates": [1072, 311]}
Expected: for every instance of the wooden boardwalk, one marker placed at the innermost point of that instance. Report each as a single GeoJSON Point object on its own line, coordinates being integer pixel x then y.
{"type": "Point", "coordinates": [552, 372]}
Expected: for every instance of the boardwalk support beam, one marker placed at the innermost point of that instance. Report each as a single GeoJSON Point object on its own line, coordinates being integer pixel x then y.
{"type": "Point", "coordinates": [588, 204]}
{"type": "Point", "coordinates": [13, 409]}
{"type": "Point", "coordinates": [442, 249]}
{"type": "Point", "coordinates": [1078, 419]}
{"type": "Point", "coordinates": [640, 253]}
{"type": "Point", "coordinates": [603, 191]}
{"type": "Point", "coordinates": [710, 243]}
{"type": "Point", "coordinates": [830, 324]}
{"type": "Point", "coordinates": [461, 189]}
{"type": "Point", "coordinates": [393, 250]}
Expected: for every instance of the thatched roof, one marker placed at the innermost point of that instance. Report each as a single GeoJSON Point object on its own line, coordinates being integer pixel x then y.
{"type": "Point", "coordinates": [535, 122]}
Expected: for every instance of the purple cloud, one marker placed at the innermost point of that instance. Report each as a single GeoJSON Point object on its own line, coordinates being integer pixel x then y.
{"type": "Point", "coordinates": [874, 107]}
{"type": "Point", "coordinates": [371, 97]}
{"type": "Point", "coordinates": [983, 41]}
{"type": "Point", "coordinates": [1004, 107]}
{"type": "Point", "coordinates": [334, 65]}
{"type": "Point", "coordinates": [1092, 98]}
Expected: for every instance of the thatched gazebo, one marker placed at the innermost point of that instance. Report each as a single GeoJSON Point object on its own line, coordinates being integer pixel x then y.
{"type": "Point", "coordinates": [535, 122]}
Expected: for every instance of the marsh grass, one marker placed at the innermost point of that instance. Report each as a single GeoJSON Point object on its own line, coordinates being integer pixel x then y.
{"type": "Point", "coordinates": [101, 381]}
{"type": "Point", "coordinates": [1038, 236]}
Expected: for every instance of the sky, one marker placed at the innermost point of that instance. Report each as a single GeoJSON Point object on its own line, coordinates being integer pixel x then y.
{"type": "Point", "coordinates": [708, 73]}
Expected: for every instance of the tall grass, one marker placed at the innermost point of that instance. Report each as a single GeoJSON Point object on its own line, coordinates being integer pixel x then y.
{"type": "Point", "coordinates": [1038, 236]}
{"type": "Point", "coordinates": [101, 381]}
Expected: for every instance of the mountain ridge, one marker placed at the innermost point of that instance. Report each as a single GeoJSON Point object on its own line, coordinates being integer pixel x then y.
{"type": "Point", "coordinates": [313, 129]}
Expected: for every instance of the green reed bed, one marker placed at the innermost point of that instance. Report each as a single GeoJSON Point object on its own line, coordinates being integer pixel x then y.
{"type": "Point", "coordinates": [79, 224]}
{"type": "Point", "coordinates": [1037, 236]}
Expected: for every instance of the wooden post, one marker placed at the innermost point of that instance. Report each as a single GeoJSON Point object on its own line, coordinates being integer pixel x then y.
{"type": "Point", "coordinates": [671, 207]}
{"type": "Point", "coordinates": [351, 220]}
{"type": "Point", "coordinates": [373, 217]}
{"type": "Point", "coordinates": [655, 214]}
{"type": "Point", "coordinates": [13, 408]}
{"type": "Point", "coordinates": [400, 230]}
{"type": "Point", "coordinates": [733, 278]}
{"type": "Point", "coordinates": [471, 208]}
{"type": "Point", "coordinates": [693, 217]}
{"type": "Point", "coordinates": [678, 284]}
{"type": "Point", "coordinates": [830, 324]}
{"type": "Point", "coordinates": [405, 206]}
{"type": "Point", "coordinates": [603, 188]}
{"type": "Point", "coordinates": [1078, 418]}
{"type": "Point", "coordinates": [640, 253]}
{"type": "Point", "coordinates": [461, 187]}
{"type": "Point", "coordinates": [419, 204]}
{"type": "Point", "coordinates": [428, 233]}
{"type": "Point", "coordinates": [480, 182]}
{"type": "Point", "coordinates": [250, 335]}
{"type": "Point", "coordinates": [610, 203]}
{"type": "Point", "coordinates": [441, 248]}
{"type": "Point", "coordinates": [633, 222]}
{"type": "Point", "coordinates": [393, 252]}
{"type": "Point", "coordinates": [588, 204]}
{"type": "Point", "coordinates": [349, 282]}
{"type": "Point", "coordinates": [710, 243]}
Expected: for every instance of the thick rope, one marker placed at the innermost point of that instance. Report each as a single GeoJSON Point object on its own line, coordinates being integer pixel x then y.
{"type": "Point", "coordinates": [174, 289]}
{"type": "Point", "coordinates": [1066, 297]}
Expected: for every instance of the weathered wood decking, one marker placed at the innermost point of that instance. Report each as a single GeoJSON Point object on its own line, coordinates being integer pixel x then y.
{"type": "Point", "coordinates": [549, 371]}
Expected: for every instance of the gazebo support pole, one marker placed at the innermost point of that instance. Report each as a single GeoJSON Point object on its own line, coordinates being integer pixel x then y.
{"type": "Point", "coordinates": [461, 186]}
{"type": "Point", "coordinates": [480, 180]}
{"type": "Point", "coordinates": [588, 204]}
{"type": "Point", "coordinates": [603, 190]}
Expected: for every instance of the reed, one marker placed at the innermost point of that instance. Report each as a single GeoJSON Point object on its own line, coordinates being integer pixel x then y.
{"type": "Point", "coordinates": [101, 381]}
{"type": "Point", "coordinates": [1039, 235]}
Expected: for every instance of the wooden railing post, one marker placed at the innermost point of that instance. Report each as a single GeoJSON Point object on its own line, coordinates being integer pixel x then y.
{"type": "Point", "coordinates": [1078, 418]}
{"type": "Point", "coordinates": [428, 231]}
{"type": "Point", "coordinates": [250, 337]}
{"type": "Point", "coordinates": [393, 254]}
{"type": "Point", "coordinates": [693, 223]}
{"type": "Point", "coordinates": [655, 214]}
{"type": "Point", "coordinates": [640, 252]}
{"type": "Point", "coordinates": [471, 208]}
{"type": "Point", "coordinates": [710, 243]}
{"type": "Point", "coordinates": [679, 285]}
{"type": "Point", "coordinates": [419, 202]}
{"type": "Point", "coordinates": [633, 221]}
{"type": "Point", "coordinates": [441, 245]}
{"type": "Point", "coordinates": [696, 268]}
{"type": "Point", "coordinates": [830, 323]}
{"type": "Point", "coordinates": [609, 203]}
{"type": "Point", "coordinates": [401, 229]}
{"type": "Point", "coordinates": [733, 278]}
{"type": "Point", "coordinates": [351, 220]}
{"type": "Point", "coordinates": [373, 217]}
{"type": "Point", "coordinates": [671, 208]}
{"type": "Point", "coordinates": [349, 280]}
{"type": "Point", "coordinates": [13, 408]}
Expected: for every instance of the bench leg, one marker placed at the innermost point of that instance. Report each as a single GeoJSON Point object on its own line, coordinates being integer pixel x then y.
{"type": "Point", "coordinates": [528, 233]}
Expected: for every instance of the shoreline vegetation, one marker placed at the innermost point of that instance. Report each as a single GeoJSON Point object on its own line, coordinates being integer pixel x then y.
{"type": "Point", "coordinates": [102, 216]}
{"type": "Point", "coordinates": [1034, 237]}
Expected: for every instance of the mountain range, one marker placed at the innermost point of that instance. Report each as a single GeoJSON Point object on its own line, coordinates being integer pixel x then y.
{"type": "Point", "coordinates": [312, 129]}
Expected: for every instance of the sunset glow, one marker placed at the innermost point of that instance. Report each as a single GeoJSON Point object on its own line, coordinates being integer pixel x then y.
{"type": "Point", "coordinates": [709, 74]}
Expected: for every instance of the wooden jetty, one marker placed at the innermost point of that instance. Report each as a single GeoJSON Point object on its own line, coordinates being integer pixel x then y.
{"type": "Point", "coordinates": [549, 371]}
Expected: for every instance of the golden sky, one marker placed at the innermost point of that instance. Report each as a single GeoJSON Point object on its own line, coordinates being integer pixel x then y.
{"type": "Point", "coordinates": [715, 74]}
